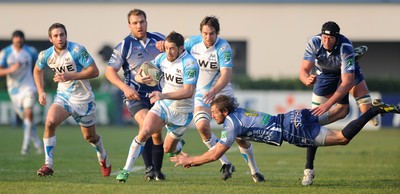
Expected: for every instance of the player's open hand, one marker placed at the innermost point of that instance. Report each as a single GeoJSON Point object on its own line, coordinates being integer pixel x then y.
{"type": "Point", "coordinates": [181, 159]}
{"type": "Point", "coordinates": [208, 97]}
{"type": "Point", "coordinates": [321, 109]}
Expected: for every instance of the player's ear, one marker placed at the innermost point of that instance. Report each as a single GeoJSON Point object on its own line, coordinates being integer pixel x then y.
{"type": "Point", "coordinates": [224, 111]}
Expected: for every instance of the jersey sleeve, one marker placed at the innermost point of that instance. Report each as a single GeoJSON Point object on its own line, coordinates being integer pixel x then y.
{"type": "Point", "coordinates": [41, 62]}
{"type": "Point", "coordinates": [159, 58]}
{"type": "Point", "coordinates": [228, 134]}
{"type": "Point", "coordinates": [190, 70]}
{"type": "Point", "coordinates": [225, 55]}
{"type": "Point", "coordinates": [116, 60]}
{"type": "Point", "coordinates": [3, 61]}
{"type": "Point", "coordinates": [33, 52]}
{"type": "Point", "coordinates": [347, 56]}
{"type": "Point", "coordinates": [84, 57]}
{"type": "Point", "coordinates": [310, 52]}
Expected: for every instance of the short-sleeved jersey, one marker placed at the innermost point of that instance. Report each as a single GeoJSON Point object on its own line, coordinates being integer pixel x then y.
{"type": "Point", "coordinates": [211, 60]}
{"type": "Point", "coordinates": [252, 125]}
{"type": "Point", "coordinates": [130, 54]}
{"type": "Point", "coordinates": [298, 127]}
{"type": "Point", "coordinates": [339, 61]}
{"type": "Point", "coordinates": [20, 81]}
{"type": "Point", "coordinates": [73, 59]}
{"type": "Point", "coordinates": [183, 70]}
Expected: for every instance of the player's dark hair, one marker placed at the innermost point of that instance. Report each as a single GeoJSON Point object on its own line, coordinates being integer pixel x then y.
{"type": "Point", "coordinates": [176, 38]}
{"type": "Point", "coordinates": [210, 21]}
{"type": "Point", "coordinates": [225, 102]}
{"type": "Point", "coordinates": [57, 25]}
{"type": "Point", "coordinates": [18, 33]}
{"type": "Point", "coordinates": [330, 28]}
{"type": "Point", "coordinates": [136, 12]}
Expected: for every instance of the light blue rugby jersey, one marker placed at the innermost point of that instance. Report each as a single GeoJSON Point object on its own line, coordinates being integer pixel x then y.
{"type": "Point", "coordinates": [130, 54]}
{"type": "Point", "coordinates": [210, 61]}
{"type": "Point", "coordinates": [183, 70]}
{"type": "Point", "coordinates": [253, 126]}
{"type": "Point", "coordinates": [21, 81]}
{"type": "Point", "coordinates": [73, 59]}
{"type": "Point", "coordinates": [340, 60]}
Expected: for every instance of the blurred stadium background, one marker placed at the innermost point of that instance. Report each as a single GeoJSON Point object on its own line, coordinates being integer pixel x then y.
{"type": "Point", "coordinates": [268, 38]}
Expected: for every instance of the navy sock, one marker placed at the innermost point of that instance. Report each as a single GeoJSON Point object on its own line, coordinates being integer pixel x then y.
{"type": "Point", "coordinates": [311, 151]}
{"type": "Point", "coordinates": [158, 156]}
{"type": "Point", "coordinates": [356, 125]}
{"type": "Point", "coordinates": [147, 153]}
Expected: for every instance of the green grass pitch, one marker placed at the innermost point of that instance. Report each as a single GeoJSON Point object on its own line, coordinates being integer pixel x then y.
{"type": "Point", "coordinates": [369, 164]}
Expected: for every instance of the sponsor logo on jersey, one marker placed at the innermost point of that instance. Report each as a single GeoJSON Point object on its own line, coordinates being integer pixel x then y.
{"type": "Point", "coordinates": [172, 78]}
{"type": "Point", "coordinates": [208, 64]}
{"type": "Point", "coordinates": [227, 56]}
{"type": "Point", "coordinates": [85, 55]}
{"type": "Point", "coordinates": [191, 73]}
{"type": "Point", "coordinates": [250, 113]}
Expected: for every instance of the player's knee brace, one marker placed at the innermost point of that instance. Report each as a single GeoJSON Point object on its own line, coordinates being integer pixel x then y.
{"type": "Point", "coordinates": [201, 115]}
{"type": "Point", "coordinates": [317, 100]}
{"type": "Point", "coordinates": [366, 99]}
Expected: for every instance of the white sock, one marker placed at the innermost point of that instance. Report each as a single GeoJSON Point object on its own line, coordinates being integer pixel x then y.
{"type": "Point", "coordinates": [178, 147]}
{"type": "Point", "coordinates": [101, 152]}
{"type": "Point", "coordinates": [248, 155]}
{"type": "Point", "coordinates": [27, 134]}
{"type": "Point", "coordinates": [211, 143]}
{"type": "Point", "coordinates": [35, 138]}
{"type": "Point", "coordinates": [49, 147]}
{"type": "Point", "coordinates": [134, 152]}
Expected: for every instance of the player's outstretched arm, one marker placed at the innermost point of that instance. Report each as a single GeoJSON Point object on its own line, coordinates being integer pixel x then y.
{"type": "Point", "coordinates": [211, 155]}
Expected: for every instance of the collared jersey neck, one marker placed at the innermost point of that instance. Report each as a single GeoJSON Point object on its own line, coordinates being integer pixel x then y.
{"type": "Point", "coordinates": [212, 46]}
{"type": "Point", "coordinates": [143, 43]}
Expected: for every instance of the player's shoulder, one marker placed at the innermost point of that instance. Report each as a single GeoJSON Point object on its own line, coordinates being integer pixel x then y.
{"type": "Point", "coordinates": [73, 46]}
{"type": "Point", "coordinates": [222, 45]}
{"type": "Point", "coordinates": [46, 53]}
{"type": "Point", "coordinates": [193, 39]}
{"type": "Point", "coordinates": [316, 39]}
{"type": "Point", "coordinates": [6, 50]}
{"type": "Point", "coordinates": [30, 49]}
{"type": "Point", "coordinates": [155, 36]}
{"type": "Point", "coordinates": [343, 40]}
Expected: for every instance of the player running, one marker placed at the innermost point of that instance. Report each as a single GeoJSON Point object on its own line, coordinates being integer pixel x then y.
{"type": "Point", "coordinates": [72, 66]}
{"type": "Point", "coordinates": [173, 107]}
{"type": "Point", "coordinates": [16, 62]}
{"type": "Point", "coordinates": [136, 48]}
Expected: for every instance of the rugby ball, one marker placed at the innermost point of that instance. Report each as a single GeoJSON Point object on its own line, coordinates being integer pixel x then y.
{"type": "Point", "coordinates": [149, 69]}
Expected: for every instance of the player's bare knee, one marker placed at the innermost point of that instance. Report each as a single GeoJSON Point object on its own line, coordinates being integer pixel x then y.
{"type": "Point", "coordinates": [90, 138]}
{"type": "Point", "coordinates": [50, 125]}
